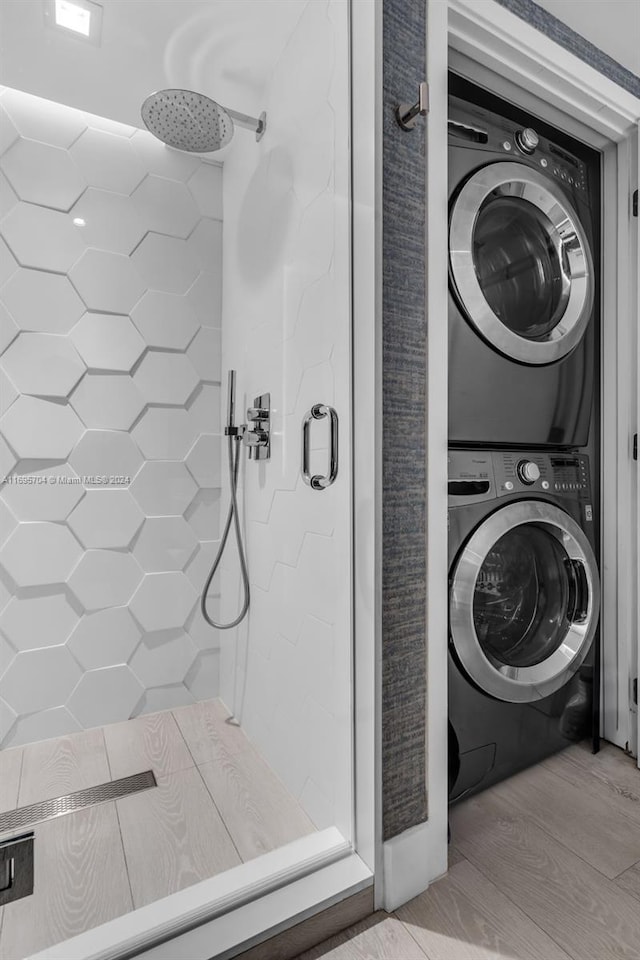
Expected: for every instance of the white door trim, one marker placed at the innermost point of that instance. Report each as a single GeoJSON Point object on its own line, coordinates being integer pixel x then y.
{"type": "Point", "coordinates": [506, 49]}
{"type": "Point", "coordinates": [496, 38]}
{"type": "Point", "coordinates": [635, 515]}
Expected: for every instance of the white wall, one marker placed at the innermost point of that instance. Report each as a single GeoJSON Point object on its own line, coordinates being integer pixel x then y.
{"type": "Point", "coordinates": [285, 672]}
{"type": "Point", "coordinates": [110, 300]}
{"type": "Point", "coordinates": [222, 48]}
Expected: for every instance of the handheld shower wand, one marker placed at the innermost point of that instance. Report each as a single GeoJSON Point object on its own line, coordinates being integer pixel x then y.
{"type": "Point", "coordinates": [234, 447]}
{"type": "Point", "coordinates": [231, 399]}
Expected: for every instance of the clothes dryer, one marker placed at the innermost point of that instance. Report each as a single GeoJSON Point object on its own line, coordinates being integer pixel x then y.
{"type": "Point", "coordinates": [523, 611]}
{"type": "Point", "coordinates": [523, 283]}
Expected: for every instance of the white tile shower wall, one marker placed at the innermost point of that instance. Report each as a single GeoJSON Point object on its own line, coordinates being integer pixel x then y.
{"type": "Point", "coordinates": [110, 300]}
{"type": "Point", "coordinates": [285, 672]}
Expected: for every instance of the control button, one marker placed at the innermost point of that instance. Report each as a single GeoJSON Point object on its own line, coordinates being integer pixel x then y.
{"type": "Point", "coordinates": [528, 471]}
{"type": "Point", "coordinates": [508, 485]}
{"type": "Point", "coordinates": [527, 140]}
{"type": "Point", "coordinates": [506, 145]}
{"type": "Point", "coordinates": [545, 484]}
{"type": "Point", "coordinates": [544, 162]}
{"type": "Point", "coordinates": [588, 511]}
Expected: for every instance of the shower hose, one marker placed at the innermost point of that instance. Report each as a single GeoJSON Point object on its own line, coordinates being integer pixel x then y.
{"type": "Point", "coordinates": [232, 517]}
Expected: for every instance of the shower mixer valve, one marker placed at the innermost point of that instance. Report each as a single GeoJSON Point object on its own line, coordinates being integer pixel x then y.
{"type": "Point", "coordinates": [257, 432]}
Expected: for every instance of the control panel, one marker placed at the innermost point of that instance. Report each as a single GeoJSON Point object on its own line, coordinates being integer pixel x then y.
{"type": "Point", "coordinates": [475, 476]}
{"type": "Point", "coordinates": [484, 129]}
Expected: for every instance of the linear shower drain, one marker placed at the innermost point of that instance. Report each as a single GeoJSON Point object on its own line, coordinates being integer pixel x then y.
{"type": "Point", "coordinates": [59, 806]}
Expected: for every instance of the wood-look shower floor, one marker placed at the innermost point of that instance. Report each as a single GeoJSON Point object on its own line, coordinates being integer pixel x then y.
{"type": "Point", "coordinates": [545, 866]}
{"type": "Point", "coordinates": [217, 804]}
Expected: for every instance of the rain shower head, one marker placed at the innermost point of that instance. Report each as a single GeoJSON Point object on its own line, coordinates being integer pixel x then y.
{"type": "Point", "coordinates": [193, 122]}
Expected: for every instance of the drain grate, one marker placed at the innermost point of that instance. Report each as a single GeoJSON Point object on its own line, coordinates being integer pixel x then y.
{"type": "Point", "coordinates": [59, 806]}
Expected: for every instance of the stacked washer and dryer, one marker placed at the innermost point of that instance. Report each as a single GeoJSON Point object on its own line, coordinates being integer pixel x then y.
{"type": "Point", "coordinates": [523, 440]}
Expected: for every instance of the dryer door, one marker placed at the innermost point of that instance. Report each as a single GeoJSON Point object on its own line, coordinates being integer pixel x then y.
{"type": "Point", "coordinates": [524, 601]}
{"type": "Point", "coordinates": [520, 263]}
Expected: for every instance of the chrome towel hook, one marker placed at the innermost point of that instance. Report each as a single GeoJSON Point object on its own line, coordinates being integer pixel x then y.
{"type": "Point", "coordinates": [407, 114]}
{"type": "Point", "coordinates": [318, 412]}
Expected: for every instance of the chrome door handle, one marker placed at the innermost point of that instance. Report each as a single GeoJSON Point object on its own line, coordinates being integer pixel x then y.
{"type": "Point", "coordinates": [318, 412]}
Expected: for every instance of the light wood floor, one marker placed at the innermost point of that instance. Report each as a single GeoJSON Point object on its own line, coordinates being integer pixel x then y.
{"type": "Point", "coordinates": [217, 804]}
{"type": "Point", "coordinates": [545, 866]}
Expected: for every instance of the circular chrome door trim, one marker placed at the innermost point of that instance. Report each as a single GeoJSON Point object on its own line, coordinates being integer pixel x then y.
{"type": "Point", "coordinates": [518, 180]}
{"type": "Point", "coordinates": [521, 684]}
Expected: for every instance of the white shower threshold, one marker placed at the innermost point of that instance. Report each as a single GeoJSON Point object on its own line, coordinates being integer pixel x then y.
{"type": "Point", "coordinates": [228, 914]}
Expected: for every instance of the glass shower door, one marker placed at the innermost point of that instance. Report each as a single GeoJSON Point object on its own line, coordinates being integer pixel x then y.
{"type": "Point", "coordinates": [135, 276]}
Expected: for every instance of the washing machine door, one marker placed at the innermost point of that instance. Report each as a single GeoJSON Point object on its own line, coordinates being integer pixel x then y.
{"type": "Point", "coordinates": [520, 263]}
{"type": "Point", "coordinates": [524, 601]}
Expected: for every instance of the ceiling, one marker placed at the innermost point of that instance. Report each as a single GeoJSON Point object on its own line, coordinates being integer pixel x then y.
{"type": "Point", "coordinates": [224, 48]}
{"type": "Point", "coordinates": [612, 25]}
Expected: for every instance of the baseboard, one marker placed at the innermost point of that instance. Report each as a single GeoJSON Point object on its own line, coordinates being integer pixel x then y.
{"type": "Point", "coordinates": [414, 859]}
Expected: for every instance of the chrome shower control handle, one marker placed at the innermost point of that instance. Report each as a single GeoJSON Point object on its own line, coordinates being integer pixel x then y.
{"type": "Point", "coordinates": [318, 412]}
{"type": "Point", "coordinates": [256, 438]}
{"type": "Point", "coordinates": [257, 413]}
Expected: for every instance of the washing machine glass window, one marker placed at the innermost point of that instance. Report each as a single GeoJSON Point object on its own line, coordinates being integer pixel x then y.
{"type": "Point", "coordinates": [522, 598]}
{"type": "Point", "coordinates": [520, 263]}
{"type": "Point", "coordinates": [524, 601]}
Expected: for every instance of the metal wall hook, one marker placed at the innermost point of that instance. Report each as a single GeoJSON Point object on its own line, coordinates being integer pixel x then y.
{"type": "Point", "coordinates": [407, 114]}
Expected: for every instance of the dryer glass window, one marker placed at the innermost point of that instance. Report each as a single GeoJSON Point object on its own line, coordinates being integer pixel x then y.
{"type": "Point", "coordinates": [518, 258]}
{"type": "Point", "coordinates": [522, 597]}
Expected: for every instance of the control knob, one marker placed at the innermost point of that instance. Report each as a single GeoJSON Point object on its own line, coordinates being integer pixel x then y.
{"type": "Point", "coordinates": [527, 140]}
{"type": "Point", "coordinates": [528, 471]}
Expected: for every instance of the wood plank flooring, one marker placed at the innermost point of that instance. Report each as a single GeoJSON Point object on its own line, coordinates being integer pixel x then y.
{"type": "Point", "coordinates": [173, 837]}
{"type": "Point", "coordinates": [53, 768]}
{"type": "Point", "coordinates": [217, 804]}
{"type": "Point", "coordinates": [81, 881]}
{"type": "Point", "coordinates": [10, 768]}
{"type": "Point", "coordinates": [545, 866]}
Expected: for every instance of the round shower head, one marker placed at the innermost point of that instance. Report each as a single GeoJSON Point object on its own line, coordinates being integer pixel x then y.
{"type": "Point", "coordinates": [187, 120]}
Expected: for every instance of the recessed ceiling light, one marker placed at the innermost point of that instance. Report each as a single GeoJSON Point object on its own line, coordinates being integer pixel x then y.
{"type": "Point", "coordinates": [73, 17]}
{"type": "Point", "coordinates": [82, 18]}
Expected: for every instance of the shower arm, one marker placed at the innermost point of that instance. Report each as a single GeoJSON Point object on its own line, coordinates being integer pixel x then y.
{"type": "Point", "coordinates": [259, 125]}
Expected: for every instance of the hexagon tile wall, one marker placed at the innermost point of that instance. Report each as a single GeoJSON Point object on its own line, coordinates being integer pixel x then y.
{"type": "Point", "coordinates": [109, 420]}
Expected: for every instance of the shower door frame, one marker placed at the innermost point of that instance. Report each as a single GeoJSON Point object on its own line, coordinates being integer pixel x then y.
{"type": "Point", "coordinates": [291, 884]}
